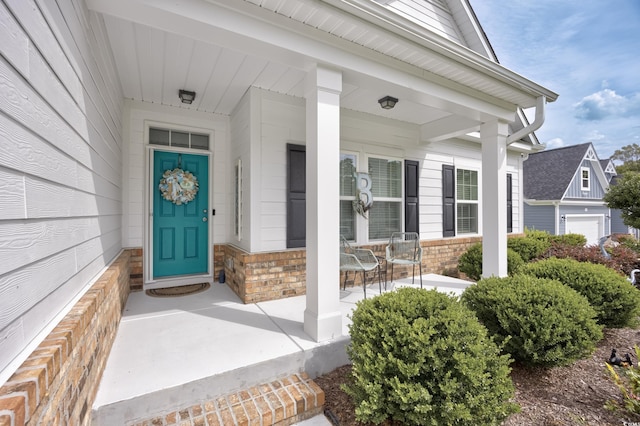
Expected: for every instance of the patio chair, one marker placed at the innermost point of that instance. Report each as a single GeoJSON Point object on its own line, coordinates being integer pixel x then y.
{"type": "Point", "coordinates": [355, 259]}
{"type": "Point", "coordinates": [404, 249]}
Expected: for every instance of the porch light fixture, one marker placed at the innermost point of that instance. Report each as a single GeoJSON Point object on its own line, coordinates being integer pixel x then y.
{"type": "Point", "coordinates": [186, 97]}
{"type": "Point", "coordinates": [387, 102]}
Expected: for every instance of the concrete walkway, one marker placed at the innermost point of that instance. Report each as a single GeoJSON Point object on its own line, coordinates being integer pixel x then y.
{"type": "Point", "coordinates": [170, 353]}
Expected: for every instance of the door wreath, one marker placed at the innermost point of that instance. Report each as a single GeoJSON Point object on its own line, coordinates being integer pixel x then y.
{"type": "Point", "coordinates": [178, 186]}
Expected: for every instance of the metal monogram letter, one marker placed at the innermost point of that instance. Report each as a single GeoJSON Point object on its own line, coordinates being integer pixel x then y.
{"type": "Point", "coordinates": [363, 187]}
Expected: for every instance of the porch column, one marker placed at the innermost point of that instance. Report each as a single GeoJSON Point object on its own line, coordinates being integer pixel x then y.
{"type": "Point", "coordinates": [322, 317]}
{"type": "Point", "coordinates": [494, 198]}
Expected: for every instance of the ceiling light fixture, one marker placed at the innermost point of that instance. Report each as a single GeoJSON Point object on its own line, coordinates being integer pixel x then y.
{"type": "Point", "coordinates": [387, 102]}
{"type": "Point", "coordinates": [186, 97]}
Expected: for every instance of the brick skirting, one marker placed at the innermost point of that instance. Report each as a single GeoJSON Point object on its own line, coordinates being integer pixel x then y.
{"type": "Point", "coordinates": [57, 384]}
{"type": "Point", "coordinates": [258, 277]}
{"type": "Point", "coordinates": [281, 402]}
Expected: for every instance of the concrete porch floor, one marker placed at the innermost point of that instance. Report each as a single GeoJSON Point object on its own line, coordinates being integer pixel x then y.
{"type": "Point", "coordinates": [170, 353]}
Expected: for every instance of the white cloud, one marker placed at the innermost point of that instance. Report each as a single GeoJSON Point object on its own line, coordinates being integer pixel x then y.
{"type": "Point", "coordinates": [554, 143]}
{"type": "Point", "coordinates": [606, 103]}
{"type": "Point", "coordinates": [594, 136]}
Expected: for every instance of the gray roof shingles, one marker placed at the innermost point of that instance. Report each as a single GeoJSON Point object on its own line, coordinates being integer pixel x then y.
{"type": "Point", "coordinates": [547, 174]}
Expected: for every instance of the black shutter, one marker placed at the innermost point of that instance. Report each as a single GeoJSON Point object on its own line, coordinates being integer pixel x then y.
{"type": "Point", "coordinates": [296, 196]}
{"type": "Point", "coordinates": [509, 203]}
{"type": "Point", "coordinates": [448, 201]}
{"type": "Point", "coordinates": [411, 196]}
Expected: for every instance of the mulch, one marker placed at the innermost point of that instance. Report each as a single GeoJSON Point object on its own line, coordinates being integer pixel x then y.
{"type": "Point", "coordinates": [558, 396]}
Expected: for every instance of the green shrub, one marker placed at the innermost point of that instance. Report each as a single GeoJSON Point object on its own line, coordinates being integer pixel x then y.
{"type": "Point", "coordinates": [471, 262]}
{"type": "Point", "coordinates": [422, 358]}
{"type": "Point", "coordinates": [575, 240]}
{"type": "Point", "coordinates": [539, 321]}
{"type": "Point", "coordinates": [537, 234]}
{"type": "Point", "coordinates": [528, 248]}
{"type": "Point", "coordinates": [614, 299]}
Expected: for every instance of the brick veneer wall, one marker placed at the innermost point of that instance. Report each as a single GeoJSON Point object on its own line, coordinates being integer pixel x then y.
{"type": "Point", "coordinates": [259, 277]}
{"type": "Point", "coordinates": [256, 277]}
{"type": "Point", "coordinates": [57, 384]}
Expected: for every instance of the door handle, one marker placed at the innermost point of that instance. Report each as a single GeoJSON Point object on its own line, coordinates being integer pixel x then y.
{"type": "Point", "coordinates": [204, 219]}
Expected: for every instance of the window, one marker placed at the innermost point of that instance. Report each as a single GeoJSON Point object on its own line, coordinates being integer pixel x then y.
{"type": "Point", "coordinates": [348, 166]}
{"type": "Point", "coordinates": [386, 188]}
{"type": "Point", "coordinates": [585, 178]}
{"type": "Point", "coordinates": [237, 205]}
{"type": "Point", "coordinates": [180, 139]}
{"type": "Point", "coordinates": [467, 201]}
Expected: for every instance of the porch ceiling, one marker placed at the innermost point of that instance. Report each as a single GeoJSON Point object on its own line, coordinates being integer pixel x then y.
{"type": "Point", "coordinates": [220, 48]}
{"type": "Point", "coordinates": [154, 64]}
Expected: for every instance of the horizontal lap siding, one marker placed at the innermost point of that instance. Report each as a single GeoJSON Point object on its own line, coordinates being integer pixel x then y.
{"type": "Point", "coordinates": [60, 164]}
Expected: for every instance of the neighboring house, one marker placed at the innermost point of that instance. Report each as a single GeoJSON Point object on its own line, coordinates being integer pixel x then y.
{"type": "Point", "coordinates": [286, 108]}
{"type": "Point", "coordinates": [564, 190]}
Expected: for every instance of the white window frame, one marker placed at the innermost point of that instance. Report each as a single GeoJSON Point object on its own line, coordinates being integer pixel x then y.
{"type": "Point", "coordinates": [352, 197]}
{"type": "Point", "coordinates": [584, 180]}
{"type": "Point", "coordinates": [468, 202]}
{"type": "Point", "coordinates": [387, 199]}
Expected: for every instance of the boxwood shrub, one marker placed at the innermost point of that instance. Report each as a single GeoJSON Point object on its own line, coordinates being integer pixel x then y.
{"type": "Point", "coordinates": [539, 321]}
{"type": "Point", "coordinates": [471, 262]}
{"type": "Point", "coordinates": [528, 248]}
{"type": "Point", "coordinates": [615, 300]}
{"type": "Point", "coordinates": [422, 358]}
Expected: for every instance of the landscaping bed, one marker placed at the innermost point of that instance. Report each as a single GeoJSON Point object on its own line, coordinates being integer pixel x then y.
{"type": "Point", "coordinates": [558, 396]}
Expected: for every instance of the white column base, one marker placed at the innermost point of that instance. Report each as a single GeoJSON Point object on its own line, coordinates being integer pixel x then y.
{"type": "Point", "coordinates": [323, 327]}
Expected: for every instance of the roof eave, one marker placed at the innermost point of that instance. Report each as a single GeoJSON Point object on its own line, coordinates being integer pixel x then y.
{"type": "Point", "coordinates": [376, 14]}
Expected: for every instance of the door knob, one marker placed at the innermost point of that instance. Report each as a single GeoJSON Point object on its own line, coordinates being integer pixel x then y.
{"type": "Point", "coordinates": [204, 219]}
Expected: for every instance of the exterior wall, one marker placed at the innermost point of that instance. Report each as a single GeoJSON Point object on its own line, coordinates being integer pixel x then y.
{"type": "Point", "coordinates": [280, 119]}
{"type": "Point", "coordinates": [574, 190]}
{"type": "Point", "coordinates": [57, 384]}
{"type": "Point", "coordinates": [617, 225]}
{"type": "Point", "coordinates": [542, 218]}
{"type": "Point", "coordinates": [60, 167]}
{"type": "Point", "coordinates": [257, 277]}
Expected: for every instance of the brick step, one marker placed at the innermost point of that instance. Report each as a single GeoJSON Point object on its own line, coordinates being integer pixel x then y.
{"type": "Point", "coordinates": [282, 402]}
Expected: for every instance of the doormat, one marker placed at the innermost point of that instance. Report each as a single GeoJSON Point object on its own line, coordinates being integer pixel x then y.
{"type": "Point", "coordinates": [182, 290]}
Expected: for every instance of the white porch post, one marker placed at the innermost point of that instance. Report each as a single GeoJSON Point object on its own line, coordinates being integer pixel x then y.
{"type": "Point", "coordinates": [494, 198]}
{"type": "Point", "coordinates": [322, 317]}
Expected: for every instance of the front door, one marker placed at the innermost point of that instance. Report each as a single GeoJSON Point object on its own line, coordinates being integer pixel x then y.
{"type": "Point", "coordinates": [180, 224]}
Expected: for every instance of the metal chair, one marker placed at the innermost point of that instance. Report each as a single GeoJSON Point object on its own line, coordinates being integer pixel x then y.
{"type": "Point", "coordinates": [355, 259]}
{"type": "Point", "coordinates": [404, 249]}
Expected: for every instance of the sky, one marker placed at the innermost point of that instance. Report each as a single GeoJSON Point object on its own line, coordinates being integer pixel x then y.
{"type": "Point", "coordinates": [586, 51]}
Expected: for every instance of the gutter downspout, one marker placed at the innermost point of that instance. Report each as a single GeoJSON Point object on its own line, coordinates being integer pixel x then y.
{"type": "Point", "coordinates": [537, 122]}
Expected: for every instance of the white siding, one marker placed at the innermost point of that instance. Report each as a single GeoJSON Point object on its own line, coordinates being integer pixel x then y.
{"type": "Point", "coordinates": [60, 166]}
{"type": "Point", "coordinates": [431, 14]}
{"type": "Point", "coordinates": [282, 120]}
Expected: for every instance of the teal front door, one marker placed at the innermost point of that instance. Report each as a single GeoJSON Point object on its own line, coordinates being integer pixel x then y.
{"type": "Point", "coordinates": [180, 231]}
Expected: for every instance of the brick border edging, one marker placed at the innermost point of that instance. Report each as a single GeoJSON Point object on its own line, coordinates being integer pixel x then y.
{"type": "Point", "coordinates": [282, 402]}
{"type": "Point", "coordinates": [58, 383]}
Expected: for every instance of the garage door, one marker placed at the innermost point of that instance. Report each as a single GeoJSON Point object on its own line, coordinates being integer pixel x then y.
{"type": "Point", "coordinates": [589, 226]}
